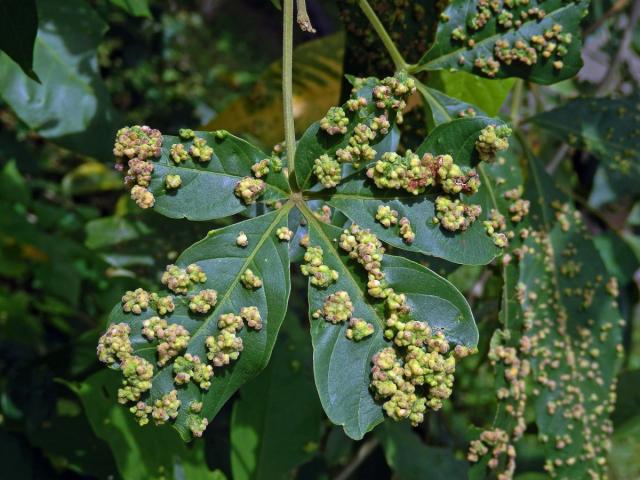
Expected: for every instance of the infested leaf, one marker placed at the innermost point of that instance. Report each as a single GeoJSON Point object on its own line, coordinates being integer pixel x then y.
{"type": "Point", "coordinates": [342, 367]}
{"type": "Point", "coordinates": [469, 32]}
{"type": "Point", "coordinates": [224, 262]}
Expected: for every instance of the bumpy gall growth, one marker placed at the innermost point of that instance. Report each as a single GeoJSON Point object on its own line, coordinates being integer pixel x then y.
{"type": "Point", "coordinates": [249, 189]}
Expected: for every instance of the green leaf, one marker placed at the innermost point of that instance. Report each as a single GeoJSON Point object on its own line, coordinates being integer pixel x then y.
{"type": "Point", "coordinates": [269, 438]}
{"type": "Point", "coordinates": [624, 452]}
{"type": "Point", "coordinates": [223, 262]}
{"type": "Point", "coordinates": [18, 28]}
{"type": "Point", "coordinates": [485, 94]}
{"type": "Point", "coordinates": [207, 190]}
{"type": "Point", "coordinates": [566, 291]}
{"type": "Point", "coordinates": [342, 367]}
{"type": "Point", "coordinates": [139, 453]}
{"type": "Point", "coordinates": [447, 52]}
{"type": "Point", "coordinates": [410, 459]}
{"type": "Point", "coordinates": [316, 142]}
{"type": "Point", "coordinates": [109, 231]}
{"type": "Point", "coordinates": [137, 8]}
{"type": "Point", "coordinates": [358, 198]}
{"type": "Point", "coordinates": [607, 128]}
{"type": "Point", "coordinates": [65, 59]}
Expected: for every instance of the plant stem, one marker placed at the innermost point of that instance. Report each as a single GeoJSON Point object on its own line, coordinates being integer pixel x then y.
{"type": "Point", "coordinates": [287, 89]}
{"type": "Point", "coordinates": [516, 100]}
{"type": "Point", "coordinates": [365, 450]}
{"type": "Point", "coordinates": [398, 61]}
{"type": "Point", "coordinates": [303, 17]}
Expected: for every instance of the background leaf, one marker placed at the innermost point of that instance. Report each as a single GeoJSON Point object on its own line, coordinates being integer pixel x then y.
{"type": "Point", "coordinates": [65, 54]}
{"type": "Point", "coordinates": [138, 8]}
{"type": "Point", "coordinates": [18, 28]}
{"type": "Point", "coordinates": [275, 426]}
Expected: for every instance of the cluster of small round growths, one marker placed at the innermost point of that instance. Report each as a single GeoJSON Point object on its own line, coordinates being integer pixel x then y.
{"type": "Point", "coordinates": [171, 340]}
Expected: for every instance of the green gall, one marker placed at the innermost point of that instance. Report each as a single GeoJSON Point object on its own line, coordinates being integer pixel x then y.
{"type": "Point", "coordinates": [114, 345]}
{"type": "Point", "coordinates": [176, 279]}
{"type": "Point", "coordinates": [178, 153]}
{"type": "Point", "coordinates": [195, 407]}
{"type": "Point", "coordinates": [364, 247]}
{"type": "Point", "coordinates": [200, 151]}
{"type": "Point", "coordinates": [380, 125]}
{"type": "Point", "coordinates": [386, 216]}
{"type": "Point", "coordinates": [136, 142]}
{"type": "Point", "coordinates": [327, 170]}
{"type": "Point", "coordinates": [223, 348]}
{"type": "Point", "coordinates": [261, 168]}
{"type": "Point", "coordinates": [250, 280]}
{"type": "Point", "coordinates": [355, 104]}
{"type": "Point", "coordinates": [231, 322]}
{"type": "Point", "coordinates": [186, 133]}
{"type": "Point", "coordinates": [166, 408]}
{"type": "Point", "coordinates": [335, 121]}
{"type": "Point", "coordinates": [197, 425]}
{"type": "Point", "coordinates": [358, 150]}
{"type": "Point", "coordinates": [137, 373]}
{"type": "Point", "coordinates": [175, 338]}
{"type": "Point", "coordinates": [320, 275]}
{"type": "Point", "coordinates": [359, 329]}
{"type": "Point", "coordinates": [453, 215]}
{"type": "Point", "coordinates": [406, 232]}
{"type": "Point", "coordinates": [249, 189]}
{"type": "Point", "coordinates": [337, 307]}
{"type": "Point", "coordinates": [190, 367]}
{"type": "Point", "coordinates": [284, 234]}
{"type": "Point", "coordinates": [196, 274]}
{"type": "Point", "coordinates": [162, 305]}
{"type": "Point", "coordinates": [153, 328]}
{"type": "Point", "coordinates": [203, 301]}
{"type": "Point", "coordinates": [143, 197]}
{"type": "Point", "coordinates": [492, 140]}
{"type": "Point", "coordinates": [251, 315]}
{"type": "Point", "coordinates": [135, 302]}
{"type": "Point", "coordinates": [393, 92]}
{"type": "Point", "coordinates": [172, 181]}
{"type": "Point", "coordinates": [141, 411]}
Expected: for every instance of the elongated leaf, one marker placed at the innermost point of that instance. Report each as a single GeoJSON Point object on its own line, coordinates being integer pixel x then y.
{"type": "Point", "coordinates": [607, 128]}
{"type": "Point", "coordinates": [462, 53]}
{"type": "Point", "coordinates": [64, 56]}
{"type": "Point", "coordinates": [342, 367]}
{"type": "Point", "coordinates": [268, 437]}
{"type": "Point", "coordinates": [138, 453]}
{"type": "Point", "coordinates": [223, 262]}
{"type": "Point", "coordinates": [18, 28]}
{"type": "Point", "coordinates": [410, 459]}
{"type": "Point", "coordinates": [359, 199]}
{"type": "Point", "coordinates": [207, 190]}
{"type": "Point", "coordinates": [575, 331]}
